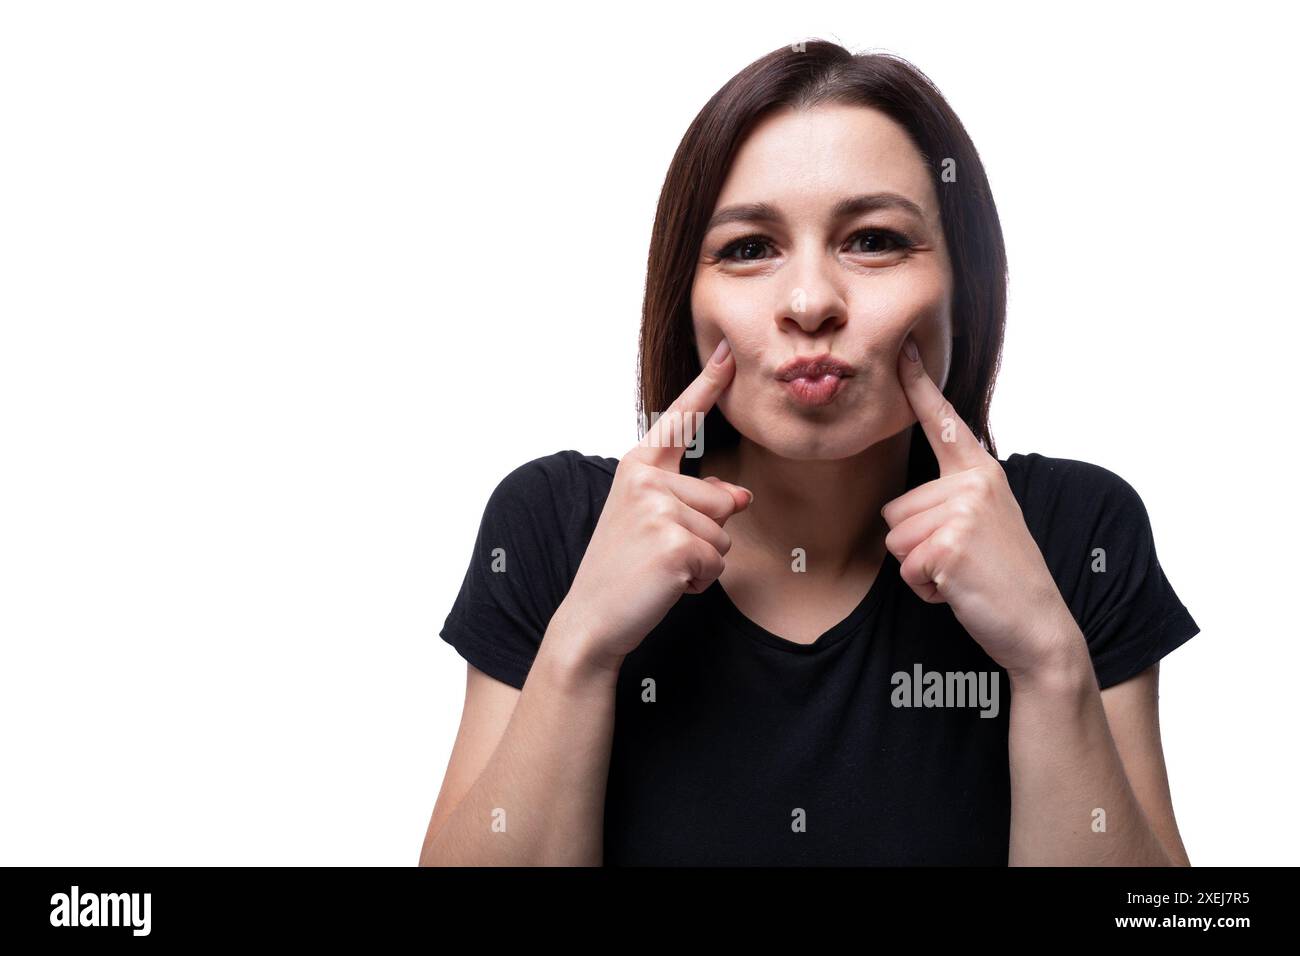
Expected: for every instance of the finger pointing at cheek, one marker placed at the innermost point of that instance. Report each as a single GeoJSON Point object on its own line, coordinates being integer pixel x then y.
{"type": "Point", "coordinates": [955, 446]}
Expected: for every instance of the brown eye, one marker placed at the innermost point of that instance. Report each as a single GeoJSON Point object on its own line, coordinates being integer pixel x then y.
{"type": "Point", "coordinates": [879, 241]}
{"type": "Point", "coordinates": [749, 247]}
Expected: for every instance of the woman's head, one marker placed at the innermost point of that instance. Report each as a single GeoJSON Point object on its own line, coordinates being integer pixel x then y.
{"type": "Point", "coordinates": [824, 204]}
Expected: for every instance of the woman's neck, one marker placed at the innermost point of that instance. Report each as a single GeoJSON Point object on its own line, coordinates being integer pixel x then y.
{"type": "Point", "coordinates": [829, 508]}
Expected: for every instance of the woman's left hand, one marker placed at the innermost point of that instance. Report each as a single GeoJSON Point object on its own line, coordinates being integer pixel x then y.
{"type": "Point", "coordinates": [962, 539]}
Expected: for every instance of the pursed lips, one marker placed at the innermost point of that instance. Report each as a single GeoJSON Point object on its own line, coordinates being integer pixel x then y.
{"type": "Point", "coordinates": [814, 368]}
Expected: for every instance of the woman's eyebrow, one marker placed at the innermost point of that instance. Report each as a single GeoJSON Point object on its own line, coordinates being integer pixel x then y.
{"type": "Point", "coordinates": [761, 212]}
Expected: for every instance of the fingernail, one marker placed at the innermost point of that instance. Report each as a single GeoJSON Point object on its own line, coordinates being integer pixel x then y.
{"type": "Point", "coordinates": [909, 347]}
{"type": "Point", "coordinates": [721, 352]}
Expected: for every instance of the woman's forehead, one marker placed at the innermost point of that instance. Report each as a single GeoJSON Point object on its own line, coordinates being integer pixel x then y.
{"type": "Point", "coordinates": [806, 161]}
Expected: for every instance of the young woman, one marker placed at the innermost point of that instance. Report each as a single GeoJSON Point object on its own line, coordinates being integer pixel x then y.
{"type": "Point", "coordinates": [811, 618]}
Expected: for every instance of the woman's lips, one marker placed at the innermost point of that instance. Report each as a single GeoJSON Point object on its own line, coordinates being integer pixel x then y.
{"type": "Point", "coordinates": [815, 380]}
{"type": "Point", "coordinates": [814, 389]}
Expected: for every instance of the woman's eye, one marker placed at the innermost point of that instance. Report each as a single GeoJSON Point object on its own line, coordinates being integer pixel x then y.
{"type": "Point", "coordinates": [745, 247]}
{"type": "Point", "coordinates": [875, 242]}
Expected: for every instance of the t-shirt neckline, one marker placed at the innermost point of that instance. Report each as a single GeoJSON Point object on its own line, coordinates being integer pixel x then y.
{"type": "Point", "coordinates": [722, 604]}
{"type": "Point", "coordinates": [922, 467]}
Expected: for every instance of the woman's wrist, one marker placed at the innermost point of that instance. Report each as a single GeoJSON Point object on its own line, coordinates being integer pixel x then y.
{"type": "Point", "coordinates": [1063, 664]}
{"type": "Point", "coordinates": [577, 652]}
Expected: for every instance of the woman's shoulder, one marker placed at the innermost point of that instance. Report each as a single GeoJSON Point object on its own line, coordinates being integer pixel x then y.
{"type": "Point", "coordinates": [1073, 496]}
{"type": "Point", "coordinates": [566, 488]}
{"type": "Point", "coordinates": [561, 472]}
{"type": "Point", "coordinates": [1096, 537]}
{"type": "Point", "coordinates": [536, 525]}
{"type": "Point", "coordinates": [1036, 475]}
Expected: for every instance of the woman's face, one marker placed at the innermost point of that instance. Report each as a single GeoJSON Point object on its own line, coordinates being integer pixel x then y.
{"type": "Point", "coordinates": [829, 247]}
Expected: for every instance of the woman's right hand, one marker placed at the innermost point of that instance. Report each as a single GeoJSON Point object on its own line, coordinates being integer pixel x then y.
{"type": "Point", "coordinates": [660, 534]}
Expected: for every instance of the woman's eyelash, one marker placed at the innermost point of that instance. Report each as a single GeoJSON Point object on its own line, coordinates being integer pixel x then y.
{"type": "Point", "coordinates": [897, 238]}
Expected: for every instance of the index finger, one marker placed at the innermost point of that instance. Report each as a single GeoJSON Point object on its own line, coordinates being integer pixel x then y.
{"type": "Point", "coordinates": [955, 445]}
{"type": "Point", "coordinates": [665, 441]}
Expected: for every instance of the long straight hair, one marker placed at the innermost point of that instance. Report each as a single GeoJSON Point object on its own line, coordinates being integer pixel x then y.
{"type": "Point", "coordinates": [804, 76]}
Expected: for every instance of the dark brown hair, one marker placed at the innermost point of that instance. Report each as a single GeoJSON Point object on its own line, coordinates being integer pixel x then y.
{"type": "Point", "coordinates": [803, 76]}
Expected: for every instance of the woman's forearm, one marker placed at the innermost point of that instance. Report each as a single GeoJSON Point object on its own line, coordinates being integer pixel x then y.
{"type": "Point", "coordinates": [1065, 768]}
{"type": "Point", "coordinates": [540, 800]}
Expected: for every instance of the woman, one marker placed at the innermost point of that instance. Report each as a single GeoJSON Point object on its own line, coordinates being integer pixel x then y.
{"type": "Point", "coordinates": [811, 618]}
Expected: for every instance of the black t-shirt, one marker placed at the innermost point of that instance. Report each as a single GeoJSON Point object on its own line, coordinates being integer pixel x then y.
{"type": "Point", "coordinates": [757, 750]}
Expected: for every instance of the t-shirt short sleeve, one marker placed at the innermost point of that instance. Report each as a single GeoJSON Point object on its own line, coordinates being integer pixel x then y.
{"type": "Point", "coordinates": [1102, 550]}
{"type": "Point", "coordinates": [525, 557]}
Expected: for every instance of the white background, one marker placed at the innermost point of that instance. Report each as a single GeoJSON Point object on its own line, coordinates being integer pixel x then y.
{"type": "Point", "coordinates": [288, 287]}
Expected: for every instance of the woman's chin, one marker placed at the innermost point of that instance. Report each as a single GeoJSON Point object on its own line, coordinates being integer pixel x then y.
{"type": "Point", "coordinates": [805, 441]}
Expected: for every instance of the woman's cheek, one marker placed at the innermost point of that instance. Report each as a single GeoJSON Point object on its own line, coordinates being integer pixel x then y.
{"type": "Point", "coordinates": [708, 330]}
{"type": "Point", "coordinates": [748, 352]}
{"type": "Point", "coordinates": [732, 318]}
{"type": "Point", "coordinates": [919, 305]}
{"type": "Point", "coordinates": [933, 335]}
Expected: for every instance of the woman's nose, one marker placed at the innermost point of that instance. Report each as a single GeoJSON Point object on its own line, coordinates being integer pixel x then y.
{"type": "Point", "coordinates": [813, 307]}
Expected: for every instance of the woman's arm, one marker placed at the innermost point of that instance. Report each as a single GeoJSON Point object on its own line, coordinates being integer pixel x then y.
{"type": "Point", "coordinates": [1133, 713]}
{"type": "Point", "coordinates": [540, 798]}
{"type": "Point", "coordinates": [1067, 769]}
